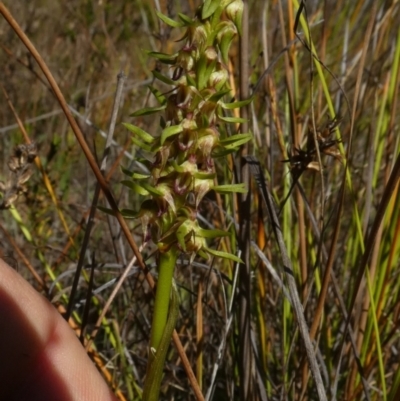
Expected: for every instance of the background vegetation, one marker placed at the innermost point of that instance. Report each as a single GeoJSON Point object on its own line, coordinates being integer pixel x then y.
{"type": "Point", "coordinates": [344, 250]}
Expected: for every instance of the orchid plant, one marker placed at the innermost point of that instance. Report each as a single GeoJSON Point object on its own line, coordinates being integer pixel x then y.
{"type": "Point", "coordinates": [180, 159]}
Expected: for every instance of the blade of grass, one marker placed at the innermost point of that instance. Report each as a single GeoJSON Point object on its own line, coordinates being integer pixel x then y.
{"type": "Point", "coordinates": [287, 267]}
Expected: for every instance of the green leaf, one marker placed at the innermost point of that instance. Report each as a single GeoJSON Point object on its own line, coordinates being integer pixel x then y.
{"type": "Point", "coordinates": [222, 153]}
{"type": "Point", "coordinates": [236, 105]}
{"type": "Point", "coordinates": [135, 187]}
{"type": "Point", "coordinates": [170, 131]}
{"type": "Point", "coordinates": [217, 96]}
{"type": "Point", "coordinates": [106, 210]}
{"type": "Point", "coordinates": [152, 190]}
{"type": "Point", "coordinates": [127, 172]}
{"type": "Point", "coordinates": [209, 8]}
{"type": "Point", "coordinates": [187, 20]}
{"type": "Point", "coordinates": [226, 189]}
{"type": "Point", "coordinates": [234, 138]}
{"type": "Point", "coordinates": [163, 78]}
{"type": "Point", "coordinates": [225, 44]}
{"type": "Point", "coordinates": [155, 148]}
{"type": "Point", "coordinates": [238, 144]}
{"type": "Point", "coordinates": [129, 213]}
{"type": "Point", "coordinates": [235, 141]}
{"type": "Point", "coordinates": [147, 111]}
{"type": "Point", "coordinates": [163, 57]}
{"type": "Point", "coordinates": [203, 254]}
{"type": "Point", "coordinates": [177, 167]}
{"type": "Point", "coordinates": [143, 135]}
{"type": "Point", "coordinates": [190, 80]}
{"type": "Point", "coordinates": [169, 21]}
{"type": "Point", "coordinates": [133, 175]}
{"type": "Point", "coordinates": [203, 71]}
{"type": "Point", "coordinates": [202, 121]}
{"type": "Point", "coordinates": [141, 145]}
{"type": "Point", "coordinates": [161, 99]}
{"type": "Point", "coordinates": [204, 176]}
{"type": "Point", "coordinates": [185, 229]}
{"type": "Point", "coordinates": [202, 232]}
{"type": "Point", "coordinates": [138, 176]}
{"type": "Point", "coordinates": [237, 120]}
{"type": "Point", "coordinates": [224, 255]}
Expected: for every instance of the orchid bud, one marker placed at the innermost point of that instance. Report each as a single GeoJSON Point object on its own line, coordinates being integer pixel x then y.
{"type": "Point", "coordinates": [207, 141]}
{"type": "Point", "coordinates": [198, 35]}
{"type": "Point", "coordinates": [226, 33]}
{"type": "Point", "coordinates": [185, 59]}
{"type": "Point", "coordinates": [210, 54]}
{"type": "Point", "coordinates": [201, 187]}
{"type": "Point", "coordinates": [218, 78]}
{"type": "Point", "coordinates": [234, 12]}
{"type": "Point", "coordinates": [165, 190]}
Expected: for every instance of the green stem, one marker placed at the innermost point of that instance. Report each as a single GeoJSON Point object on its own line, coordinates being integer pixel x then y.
{"type": "Point", "coordinates": [166, 272]}
{"type": "Point", "coordinates": [151, 389]}
{"type": "Point", "coordinates": [161, 332]}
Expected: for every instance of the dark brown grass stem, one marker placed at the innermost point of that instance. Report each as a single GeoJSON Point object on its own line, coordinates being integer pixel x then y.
{"type": "Point", "coordinates": [93, 208]}
{"type": "Point", "coordinates": [296, 137]}
{"type": "Point", "coordinates": [367, 38]}
{"type": "Point", "coordinates": [373, 234]}
{"type": "Point", "coordinates": [77, 230]}
{"type": "Point", "coordinates": [104, 186]}
{"type": "Point", "coordinates": [199, 335]}
{"type": "Point", "coordinates": [86, 309]}
{"type": "Point", "coordinates": [321, 173]}
{"type": "Point", "coordinates": [246, 357]}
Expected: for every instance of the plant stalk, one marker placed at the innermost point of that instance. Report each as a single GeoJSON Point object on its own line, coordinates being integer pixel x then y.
{"type": "Point", "coordinates": [164, 321]}
{"type": "Point", "coordinates": [161, 305]}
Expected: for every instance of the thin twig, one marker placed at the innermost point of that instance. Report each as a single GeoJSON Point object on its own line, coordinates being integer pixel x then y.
{"type": "Point", "coordinates": [221, 348]}
{"type": "Point", "coordinates": [110, 299]}
{"type": "Point", "coordinates": [93, 208]}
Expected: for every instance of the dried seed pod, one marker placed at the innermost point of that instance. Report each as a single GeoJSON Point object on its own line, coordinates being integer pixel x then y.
{"type": "Point", "coordinates": [301, 160]}
{"type": "Point", "coordinates": [24, 175]}
{"type": "Point", "coordinates": [19, 164]}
